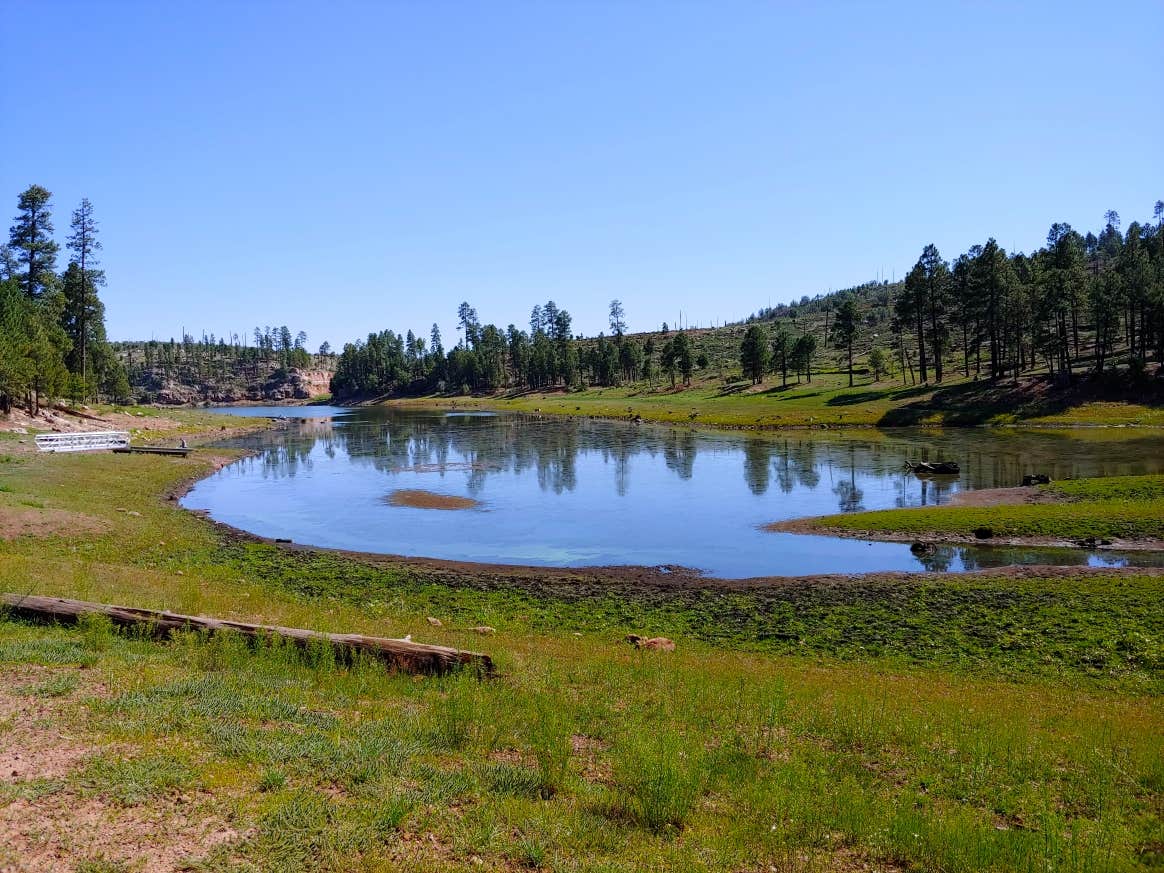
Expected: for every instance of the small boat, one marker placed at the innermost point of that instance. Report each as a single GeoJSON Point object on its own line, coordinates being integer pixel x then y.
{"type": "Point", "coordinates": [935, 468]}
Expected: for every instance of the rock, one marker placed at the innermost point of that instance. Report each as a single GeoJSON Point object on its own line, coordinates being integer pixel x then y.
{"type": "Point", "coordinates": [660, 644]}
{"type": "Point", "coordinates": [134, 513]}
{"type": "Point", "coordinates": [483, 629]}
{"type": "Point", "coordinates": [435, 622]}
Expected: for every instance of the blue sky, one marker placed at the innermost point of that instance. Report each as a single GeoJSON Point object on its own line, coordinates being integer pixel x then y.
{"type": "Point", "coordinates": [345, 167]}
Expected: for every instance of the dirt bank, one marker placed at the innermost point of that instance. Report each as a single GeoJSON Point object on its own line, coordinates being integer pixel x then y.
{"type": "Point", "coordinates": [60, 419]}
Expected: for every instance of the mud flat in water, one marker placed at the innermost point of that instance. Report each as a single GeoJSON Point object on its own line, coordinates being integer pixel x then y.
{"type": "Point", "coordinates": [420, 499]}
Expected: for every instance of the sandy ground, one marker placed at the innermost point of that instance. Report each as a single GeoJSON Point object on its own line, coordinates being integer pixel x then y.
{"type": "Point", "coordinates": [19, 521]}
{"type": "Point", "coordinates": [52, 822]}
{"type": "Point", "coordinates": [1017, 496]}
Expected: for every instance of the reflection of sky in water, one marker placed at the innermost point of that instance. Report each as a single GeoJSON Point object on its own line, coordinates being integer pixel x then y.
{"type": "Point", "coordinates": [576, 492]}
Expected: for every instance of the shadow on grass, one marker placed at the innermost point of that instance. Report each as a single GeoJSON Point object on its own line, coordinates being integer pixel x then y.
{"type": "Point", "coordinates": [781, 389]}
{"type": "Point", "coordinates": [732, 389]}
{"type": "Point", "coordinates": [851, 398]}
{"type": "Point", "coordinates": [981, 402]}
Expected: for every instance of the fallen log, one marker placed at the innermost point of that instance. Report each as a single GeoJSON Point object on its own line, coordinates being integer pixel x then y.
{"type": "Point", "coordinates": [936, 468]}
{"type": "Point", "coordinates": [402, 655]}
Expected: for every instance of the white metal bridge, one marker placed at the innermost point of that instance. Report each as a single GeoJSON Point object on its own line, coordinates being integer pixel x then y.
{"type": "Point", "coordinates": [82, 442]}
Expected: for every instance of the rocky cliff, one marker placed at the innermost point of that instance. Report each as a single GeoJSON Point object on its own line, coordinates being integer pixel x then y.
{"type": "Point", "coordinates": [278, 386]}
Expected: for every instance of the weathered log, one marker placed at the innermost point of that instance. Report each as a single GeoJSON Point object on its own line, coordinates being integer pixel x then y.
{"type": "Point", "coordinates": [935, 468]}
{"type": "Point", "coordinates": [403, 655]}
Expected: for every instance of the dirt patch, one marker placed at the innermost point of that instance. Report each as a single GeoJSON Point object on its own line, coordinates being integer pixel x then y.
{"type": "Point", "coordinates": [420, 499]}
{"type": "Point", "coordinates": [60, 831]}
{"type": "Point", "coordinates": [50, 827]}
{"type": "Point", "coordinates": [19, 521]}
{"type": "Point", "coordinates": [35, 744]}
{"type": "Point", "coordinates": [1019, 496]}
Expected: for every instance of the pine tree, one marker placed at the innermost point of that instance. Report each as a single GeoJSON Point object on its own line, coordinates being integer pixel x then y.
{"type": "Point", "coordinates": [844, 330]}
{"type": "Point", "coordinates": [31, 238]}
{"type": "Point", "coordinates": [80, 287]}
{"type": "Point", "coordinates": [754, 353]}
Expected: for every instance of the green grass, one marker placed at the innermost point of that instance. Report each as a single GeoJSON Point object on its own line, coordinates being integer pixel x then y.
{"type": "Point", "coordinates": [1133, 488]}
{"type": "Point", "coordinates": [955, 723]}
{"type": "Point", "coordinates": [1123, 508]}
{"type": "Point", "coordinates": [828, 401]}
{"type": "Point", "coordinates": [737, 761]}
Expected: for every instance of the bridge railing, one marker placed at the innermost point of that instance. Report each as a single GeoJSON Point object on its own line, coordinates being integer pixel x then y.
{"type": "Point", "coordinates": [82, 442]}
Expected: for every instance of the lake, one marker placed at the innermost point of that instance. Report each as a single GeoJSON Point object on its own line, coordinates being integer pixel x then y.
{"type": "Point", "coordinates": [576, 492]}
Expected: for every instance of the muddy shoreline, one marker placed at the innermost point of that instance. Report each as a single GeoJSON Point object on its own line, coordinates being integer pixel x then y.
{"type": "Point", "coordinates": [580, 581]}
{"type": "Point", "coordinates": [576, 582]}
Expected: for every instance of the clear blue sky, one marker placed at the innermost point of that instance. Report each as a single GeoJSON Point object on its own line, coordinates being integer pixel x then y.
{"type": "Point", "coordinates": [347, 167]}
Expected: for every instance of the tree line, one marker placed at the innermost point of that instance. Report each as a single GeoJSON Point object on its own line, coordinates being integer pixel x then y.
{"type": "Point", "coordinates": [1079, 303]}
{"type": "Point", "coordinates": [488, 358]}
{"type": "Point", "coordinates": [52, 325]}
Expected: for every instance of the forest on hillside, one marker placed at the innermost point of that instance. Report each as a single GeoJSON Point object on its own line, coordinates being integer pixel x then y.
{"type": "Point", "coordinates": [1080, 303]}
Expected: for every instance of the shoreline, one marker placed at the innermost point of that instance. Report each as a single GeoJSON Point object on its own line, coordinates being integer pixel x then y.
{"type": "Point", "coordinates": [617, 578]}
{"type": "Point", "coordinates": [676, 577]}
{"type": "Point", "coordinates": [489, 404]}
{"type": "Point", "coordinates": [810, 527]}
{"type": "Point", "coordinates": [647, 579]}
{"type": "Point", "coordinates": [983, 498]}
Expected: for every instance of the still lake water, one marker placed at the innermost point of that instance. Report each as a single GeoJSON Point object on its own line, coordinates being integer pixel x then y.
{"type": "Point", "coordinates": [578, 492]}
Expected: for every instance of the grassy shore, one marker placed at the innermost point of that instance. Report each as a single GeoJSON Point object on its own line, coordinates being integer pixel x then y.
{"type": "Point", "coordinates": [1119, 508]}
{"type": "Point", "coordinates": [827, 401]}
{"type": "Point", "coordinates": [998, 721]}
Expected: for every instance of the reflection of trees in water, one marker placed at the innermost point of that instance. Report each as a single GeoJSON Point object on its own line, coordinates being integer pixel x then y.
{"type": "Point", "coordinates": [757, 465]}
{"type": "Point", "coordinates": [281, 460]}
{"type": "Point", "coordinates": [939, 559]}
{"type": "Point", "coordinates": [848, 495]}
{"type": "Point", "coordinates": [796, 464]}
{"type": "Point", "coordinates": [679, 447]}
{"type": "Point", "coordinates": [392, 441]}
